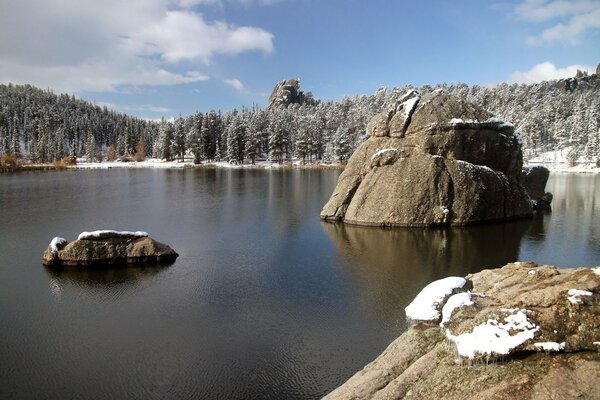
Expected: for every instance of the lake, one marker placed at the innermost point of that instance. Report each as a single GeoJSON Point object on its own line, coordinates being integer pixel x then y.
{"type": "Point", "coordinates": [264, 301]}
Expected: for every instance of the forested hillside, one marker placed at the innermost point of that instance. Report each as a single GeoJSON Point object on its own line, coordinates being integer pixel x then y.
{"type": "Point", "coordinates": [41, 126]}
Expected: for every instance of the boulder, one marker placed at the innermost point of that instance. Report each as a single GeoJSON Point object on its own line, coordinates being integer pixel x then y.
{"type": "Point", "coordinates": [285, 93]}
{"type": "Point", "coordinates": [534, 179]}
{"type": "Point", "coordinates": [435, 160]}
{"type": "Point", "coordinates": [521, 331]}
{"type": "Point", "coordinates": [107, 248]}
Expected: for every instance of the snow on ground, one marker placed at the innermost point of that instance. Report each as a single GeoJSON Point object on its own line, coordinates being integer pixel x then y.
{"type": "Point", "coordinates": [596, 270]}
{"type": "Point", "coordinates": [550, 346]}
{"type": "Point", "coordinates": [148, 163]}
{"type": "Point", "coordinates": [455, 301]}
{"type": "Point", "coordinates": [575, 294]}
{"type": "Point", "coordinates": [106, 232]}
{"type": "Point", "coordinates": [160, 164]}
{"type": "Point", "coordinates": [556, 161]}
{"type": "Point", "coordinates": [494, 337]}
{"type": "Point", "coordinates": [56, 242]}
{"type": "Point", "coordinates": [426, 306]}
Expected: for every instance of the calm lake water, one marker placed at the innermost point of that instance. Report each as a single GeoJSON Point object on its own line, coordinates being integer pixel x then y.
{"type": "Point", "coordinates": [265, 301]}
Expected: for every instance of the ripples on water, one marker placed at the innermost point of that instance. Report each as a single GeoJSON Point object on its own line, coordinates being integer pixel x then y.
{"type": "Point", "coordinates": [265, 301]}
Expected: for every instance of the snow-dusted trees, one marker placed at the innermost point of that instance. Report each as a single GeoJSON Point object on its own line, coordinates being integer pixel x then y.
{"type": "Point", "coordinates": [280, 126]}
{"type": "Point", "coordinates": [193, 137]}
{"type": "Point", "coordinates": [163, 145]}
{"type": "Point", "coordinates": [46, 127]}
{"type": "Point", "coordinates": [236, 139]}
{"type": "Point", "coordinates": [178, 143]}
{"type": "Point", "coordinates": [210, 134]}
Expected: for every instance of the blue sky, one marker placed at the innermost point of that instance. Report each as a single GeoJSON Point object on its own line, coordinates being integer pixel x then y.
{"type": "Point", "coordinates": [167, 57]}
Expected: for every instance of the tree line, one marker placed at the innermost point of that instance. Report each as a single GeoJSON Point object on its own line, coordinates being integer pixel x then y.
{"type": "Point", "coordinates": [41, 126]}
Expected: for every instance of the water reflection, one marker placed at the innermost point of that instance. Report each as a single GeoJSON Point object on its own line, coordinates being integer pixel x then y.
{"type": "Point", "coordinates": [102, 276]}
{"type": "Point", "coordinates": [389, 266]}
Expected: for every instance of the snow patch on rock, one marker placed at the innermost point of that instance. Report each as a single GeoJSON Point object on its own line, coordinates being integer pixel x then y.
{"type": "Point", "coordinates": [108, 232]}
{"type": "Point", "coordinates": [56, 243]}
{"type": "Point", "coordinates": [550, 346]}
{"type": "Point", "coordinates": [494, 337]}
{"type": "Point", "coordinates": [575, 294]}
{"type": "Point", "coordinates": [380, 152]}
{"type": "Point", "coordinates": [455, 301]}
{"type": "Point", "coordinates": [428, 303]}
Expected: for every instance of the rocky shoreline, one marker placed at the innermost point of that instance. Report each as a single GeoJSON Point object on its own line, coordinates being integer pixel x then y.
{"type": "Point", "coordinates": [520, 331]}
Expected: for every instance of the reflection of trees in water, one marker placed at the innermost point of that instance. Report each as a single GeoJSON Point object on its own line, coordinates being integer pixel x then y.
{"type": "Point", "coordinates": [390, 266]}
{"type": "Point", "coordinates": [104, 276]}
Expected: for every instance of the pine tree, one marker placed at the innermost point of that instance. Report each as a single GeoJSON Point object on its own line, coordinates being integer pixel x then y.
{"type": "Point", "coordinates": [178, 144]}
{"type": "Point", "coordinates": [236, 140]}
{"type": "Point", "coordinates": [91, 149]}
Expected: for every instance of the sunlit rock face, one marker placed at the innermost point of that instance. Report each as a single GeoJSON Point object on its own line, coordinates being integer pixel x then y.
{"type": "Point", "coordinates": [432, 161]}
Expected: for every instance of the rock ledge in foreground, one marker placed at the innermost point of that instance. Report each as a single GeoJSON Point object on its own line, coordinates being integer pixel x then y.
{"type": "Point", "coordinates": [107, 247]}
{"type": "Point", "coordinates": [522, 331]}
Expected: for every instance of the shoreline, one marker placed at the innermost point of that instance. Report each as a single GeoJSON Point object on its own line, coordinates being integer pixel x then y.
{"type": "Point", "coordinates": [558, 168]}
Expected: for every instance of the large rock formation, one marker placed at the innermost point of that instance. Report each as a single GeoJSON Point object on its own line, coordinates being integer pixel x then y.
{"type": "Point", "coordinates": [522, 332]}
{"type": "Point", "coordinates": [107, 248]}
{"type": "Point", "coordinates": [285, 93]}
{"type": "Point", "coordinates": [436, 160]}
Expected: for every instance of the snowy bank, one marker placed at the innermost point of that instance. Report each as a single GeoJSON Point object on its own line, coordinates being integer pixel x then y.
{"type": "Point", "coordinates": [176, 164]}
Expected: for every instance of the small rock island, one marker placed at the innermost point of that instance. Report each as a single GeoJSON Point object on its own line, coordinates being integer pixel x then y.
{"type": "Point", "coordinates": [432, 161]}
{"type": "Point", "coordinates": [523, 331]}
{"type": "Point", "coordinates": [107, 247]}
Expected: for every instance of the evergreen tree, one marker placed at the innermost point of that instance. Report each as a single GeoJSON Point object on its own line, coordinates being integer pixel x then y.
{"type": "Point", "coordinates": [236, 140]}
{"type": "Point", "coordinates": [91, 149]}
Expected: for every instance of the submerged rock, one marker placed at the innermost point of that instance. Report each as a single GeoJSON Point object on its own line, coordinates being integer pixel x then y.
{"type": "Point", "coordinates": [522, 331]}
{"type": "Point", "coordinates": [436, 160]}
{"type": "Point", "coordinates": [107, 248]}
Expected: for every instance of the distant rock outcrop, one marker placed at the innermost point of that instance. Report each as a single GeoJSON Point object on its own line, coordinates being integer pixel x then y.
{"type": "Point", "coordinates": [534, 179]}
{"type": "Point", "coordinates": [598, 69]}
{"type": "Point", "coordinates": [436, 160]}
{"type": "Point", "coordinates": [285, 93]}
{"type": "Point", "coordinates": [521, 332]}
{"type": "Point", "coordinates": [107, 248]}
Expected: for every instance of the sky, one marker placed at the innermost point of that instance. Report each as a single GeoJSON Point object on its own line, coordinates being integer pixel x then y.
{"type": "Point", "coordinates": [154, 58]}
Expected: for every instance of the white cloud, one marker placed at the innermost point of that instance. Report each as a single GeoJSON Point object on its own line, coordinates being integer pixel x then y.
{"type": "Point", "coordinates": [184, 35]}
{"type": "Point", "coordinates": [74, 46]}
{"type": "Point", "coordinates": [148, 107]}
{"type": "Point", "coordinates": [570, 20]}
{"type": "Point", "coordinates": [545, 72]}
{"type": "Point", "coordinates": [235, 83]}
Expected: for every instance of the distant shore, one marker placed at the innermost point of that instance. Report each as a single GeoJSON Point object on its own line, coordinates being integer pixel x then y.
{"type": "Point", "coordinates": [558, 167]}
{"type": "Point", "coordinates": [161, 164]}
{"type": "Point", "coordinates": [565, 168]}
